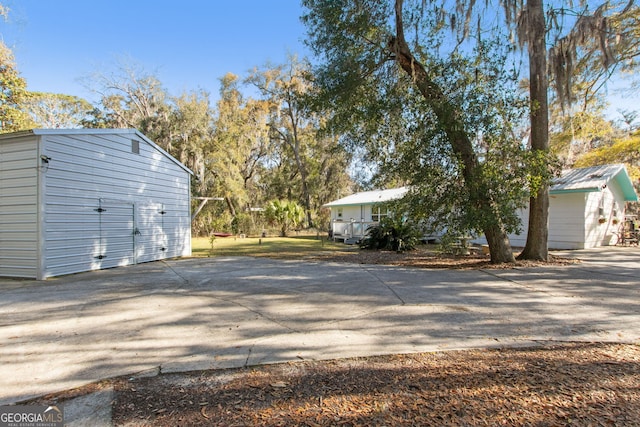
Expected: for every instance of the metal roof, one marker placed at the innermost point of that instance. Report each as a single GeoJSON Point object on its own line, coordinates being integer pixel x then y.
{"type": "Point", "coordinates": [369, 197]}
{"type": "Point", "coordinates": [580, 180]}
{"type": "Point", "coordinates": [594, 178]}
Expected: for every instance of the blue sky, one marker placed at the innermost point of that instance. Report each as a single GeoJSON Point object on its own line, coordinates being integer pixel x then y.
{"type": "Point", "coordinates": [188, 44]}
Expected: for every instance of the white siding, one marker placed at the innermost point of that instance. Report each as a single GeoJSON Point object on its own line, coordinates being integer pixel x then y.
{"type": "Point", "coordinates": [607, 200]}
{"type": "Point", "coordinates": [350, 213]}
{"type": "Point", "coordinates": [19, 207]}
{"type": "Point", "coordinates": [566, 221]}
{"type": "Point", "coordinates": [574, 220]}
{"type": "Point", "coordinates": [516, 240]}
{"type": "Point", "coordinates": [103, 204]}
{"type": "Point", "coordinates": [94, 204]}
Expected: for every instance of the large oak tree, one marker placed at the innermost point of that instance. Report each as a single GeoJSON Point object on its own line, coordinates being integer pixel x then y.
{"type": "Point", "coordinates": [368, 62]}
{"type": "Point", "coordinates": [597, 36]}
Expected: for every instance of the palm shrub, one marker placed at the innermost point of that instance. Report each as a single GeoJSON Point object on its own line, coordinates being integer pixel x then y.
{"type": "Point", "coordinates": [286, 214]}
{"type": "Point", "coordinates": [392, 233]}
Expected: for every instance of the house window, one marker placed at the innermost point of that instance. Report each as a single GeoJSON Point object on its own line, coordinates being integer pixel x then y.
{"type": "Point", "coordinates": [135, 146]}
{"type": "Point", "coordinates": [339, 213]}
{"type": "Point", "coordinates": [377, 213]}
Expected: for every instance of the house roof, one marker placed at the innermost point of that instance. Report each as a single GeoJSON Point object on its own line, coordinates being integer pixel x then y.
{"type": "Point", "coordinates": [369, 197]}
{"type": "Point", "coordinates": [594, 178]}
{"type": "Point", "coordinates": [581, 180]}
{"type": "Point", "coordinates": [90, 131]}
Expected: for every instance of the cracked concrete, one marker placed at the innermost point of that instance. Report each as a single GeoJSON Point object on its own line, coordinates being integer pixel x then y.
{"type": "Point", "coordinates": [191, 314]}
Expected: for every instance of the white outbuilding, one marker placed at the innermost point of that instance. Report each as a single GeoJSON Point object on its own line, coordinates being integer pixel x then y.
{"type": "Point", "coordinates": [586, 208]}
{"type": "Point", "coordinates": [74, 200]}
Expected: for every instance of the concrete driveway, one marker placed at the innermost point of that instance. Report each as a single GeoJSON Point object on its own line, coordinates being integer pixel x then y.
{"type": "Point", "coordinates": [229, 312]}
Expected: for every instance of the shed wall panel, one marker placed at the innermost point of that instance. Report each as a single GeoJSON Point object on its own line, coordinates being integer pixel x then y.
{"type": "Point", "coordinates": [19, 165]}
{"type": "Point", "coordinates": [88, 172]}
{"type": "Point", "coordinates": [61, 230]}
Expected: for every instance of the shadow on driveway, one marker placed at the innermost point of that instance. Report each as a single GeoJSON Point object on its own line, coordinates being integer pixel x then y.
{"type": "Point", "coordinates": [228, 312]}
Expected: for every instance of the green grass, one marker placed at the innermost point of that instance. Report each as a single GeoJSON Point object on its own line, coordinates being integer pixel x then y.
{"type": "Point", "coordinates": [280, 247]}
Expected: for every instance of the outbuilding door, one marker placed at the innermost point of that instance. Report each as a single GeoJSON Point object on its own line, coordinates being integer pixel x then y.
{"type": "Point", "coordinates": [149, 235]}
{"type": "Point", "coordinates": [117, 233]}
{"type": "Point", "coordinates": [130, 233]}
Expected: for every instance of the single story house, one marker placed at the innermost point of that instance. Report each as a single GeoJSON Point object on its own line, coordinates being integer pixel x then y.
{"type": "Point", "coordinates": [74, 200]}
{"type": "Point", "coordinates": [351, 216]}
{"type": "Point", "coordinates": [586, 209]}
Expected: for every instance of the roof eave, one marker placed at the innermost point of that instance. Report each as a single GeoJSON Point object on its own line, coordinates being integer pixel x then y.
{"type": "Point", "coordinates": [626, 185]}
{"type": "Point", "coordinates": [575, 190]}
{"type": "Point", "coordinates": [333, 205]}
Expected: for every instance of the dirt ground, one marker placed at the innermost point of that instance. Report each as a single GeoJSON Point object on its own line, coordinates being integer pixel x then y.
{"type": "Point", "coordinates": [429, 257]}
{"type": "Point", "coordinates": [551, 384]}
{"type": "Point", "coordinates": [586, 384]}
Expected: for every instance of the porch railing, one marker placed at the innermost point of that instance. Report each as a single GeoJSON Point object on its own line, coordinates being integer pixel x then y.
{"type": "Point", "coordinates": [344, 230]}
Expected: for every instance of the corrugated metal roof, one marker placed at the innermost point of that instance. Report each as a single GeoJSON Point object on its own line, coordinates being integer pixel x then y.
{"type": "Point", "coordinates": [369, 197]}
{"type": "Point", "coordinates": [594, 178]}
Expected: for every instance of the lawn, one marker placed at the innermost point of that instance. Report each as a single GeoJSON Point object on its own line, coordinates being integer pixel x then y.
{"type": "Point", "coordinates": [280, 247]}
{"type": "Point", "coordinates": [320, 248]}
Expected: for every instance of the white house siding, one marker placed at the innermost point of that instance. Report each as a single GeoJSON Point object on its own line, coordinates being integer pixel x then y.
{"type": "Point", "coordinates": [347, 221]}
{"type": "Point", "coordinates": [570, 220]}
{"type": "Point", "coordinates": [516, 240]}
{"type": "Point", "coordinates": [349, 213]}
{"type": "Point", "coordinates": [18, 208]}
{"type": "Point", "coordinates": [566, 223]}
{"type": "Point", "coordinates": [574, 220]}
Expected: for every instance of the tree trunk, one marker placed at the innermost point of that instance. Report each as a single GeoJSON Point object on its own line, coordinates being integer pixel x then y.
{"type": "Point", "coordinates": [232, 209]}
{"type": "Point", "coordinates": [499, 245]}
{"type": "Point", "coordinates": [448, 117]}
{"type": "Point", "coordinates": [538, 232]}
{"type": "Point", "coordinates": [294, 144]}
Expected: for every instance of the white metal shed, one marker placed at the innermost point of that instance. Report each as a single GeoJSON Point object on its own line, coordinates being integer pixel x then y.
{"type": "Point", "coordinates": [75, 200]}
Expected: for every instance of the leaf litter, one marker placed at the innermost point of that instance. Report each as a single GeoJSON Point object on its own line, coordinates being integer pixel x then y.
{"type": "Point", "coordinates": [582, 384]}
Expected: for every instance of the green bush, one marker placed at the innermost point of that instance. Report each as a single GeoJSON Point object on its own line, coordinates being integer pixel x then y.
{"type": "Point", "coordinates": [391, 233]}
{"type": "Point", "coordinates": [242, 223]}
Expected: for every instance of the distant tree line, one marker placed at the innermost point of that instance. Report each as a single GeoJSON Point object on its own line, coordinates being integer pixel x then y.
{"type": "Point", "coordinates": [249, 151]}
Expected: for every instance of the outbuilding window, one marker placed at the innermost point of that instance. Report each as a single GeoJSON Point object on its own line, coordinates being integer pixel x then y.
{"type": "Point", "coordinates": [135, 146]}
{"type": "Point", "coordinates": [601, 207]}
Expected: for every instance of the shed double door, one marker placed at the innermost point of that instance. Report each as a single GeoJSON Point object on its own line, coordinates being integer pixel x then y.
{"type": "Point", "coordinates": [130, 233]}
